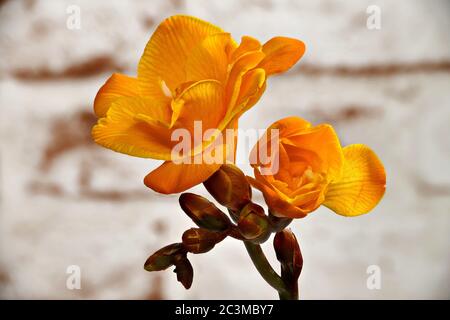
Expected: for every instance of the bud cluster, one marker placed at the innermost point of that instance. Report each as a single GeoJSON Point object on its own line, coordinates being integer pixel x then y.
{"type": "Point", "coordinates": [229, 187]}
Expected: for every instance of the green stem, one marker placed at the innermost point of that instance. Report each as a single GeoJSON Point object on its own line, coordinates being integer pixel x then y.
{"type": "Point", "coordinates": [288, 296]}
{"type": "Point", "coordinates": [291, 284]}
{"type": "Point", "coordinates": [266, 271]}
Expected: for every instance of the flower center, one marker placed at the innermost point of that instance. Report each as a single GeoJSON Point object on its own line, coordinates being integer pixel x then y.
{"type": "Point", "coordinates": [308, 176]}
{"type": "Point", "coordinates": [294, 184]}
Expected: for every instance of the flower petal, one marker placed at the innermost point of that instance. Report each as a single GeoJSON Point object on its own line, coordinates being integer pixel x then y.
{"type": "Point", "coordinates": [136, 126]}
{"type": "Point", "coordinates": [245, 63]}
{"type": "Point", "coordinates": [118, 85]}
{"type": "Point", "coordinates": [231, 140]}
{"type": "Point", "coordinates": [203, 102]}
{"type": "Point", "coordinates": [309, 200]}
{"type": "Point", "coordinates": [281, 54]}
{"type": "Point", "coordinates": [167, 51]}
{"type": "Point", "coordinates": [174, 178]}
{"type": "Point", "coordinates": [277, 206]}
{"type": "Point", "coordinates": [252, 87]}
{"type": "Point", "coordinates": [290, 126]}
{"type": "Point", "coordinates": [362, 184]}
{"type": "Point", "coordinates": [209, 60]}
{"type": "Point", "coordinates": [247, 44]}
{"type": "Point", "coordinates": [321, 146]}
{"type": "Point", "coordinates": [318, 146]}
{"type": "Point", "coordinates": [269, 154]}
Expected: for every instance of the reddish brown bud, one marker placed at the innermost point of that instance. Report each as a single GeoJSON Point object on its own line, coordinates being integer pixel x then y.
{"type": "Point", "coordinates": [203, 212]}
{"type": "Point", "coordinates": [184, 271]}
{"type": "Point", "coordinates": [289, 255]}
{"type": "Point", "coordinates": [174, 254]}
{"type": "Point", "coordinates": [278, 223]}
{"type": "Point", "coordinates": [229, 187]}
{"type": "Point", "coordinates": [200, 240]}
{"type": "Point", "coordinates": [253, 223]}
{"type": "Point", "coordinates": [164, 257]}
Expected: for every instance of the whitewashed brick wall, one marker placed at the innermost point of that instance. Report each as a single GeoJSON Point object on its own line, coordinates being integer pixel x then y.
{"type": "Point", "coordinates": [66, 201]}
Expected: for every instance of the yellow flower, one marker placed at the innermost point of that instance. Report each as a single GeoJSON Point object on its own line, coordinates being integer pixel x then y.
{"type": "Point", "coordinates": [190, 71]}
{"type": "Point", "coordinates": [313, 169]}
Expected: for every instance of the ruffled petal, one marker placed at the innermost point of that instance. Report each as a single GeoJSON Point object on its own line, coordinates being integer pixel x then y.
{"type": "Point", "coordinates": [244, 64]}
{"type": "Point", "coordinates": [278, 206]}
{"type": "Point", "coordinates": [231, 139]}
{"type": "Point", "coordinates": [164, 59]}
{"type": "Point", "coordinates": [247, 44]}
{"type": "Point", "coordinates": [362, 184]}
{"type": "Point", "coordinates": [290, 126]}
{"type": "Point", "coordinates": [320, 147]}
{"type": "Point", "coordinates": [201, 102]}
{"type": "Point", "coordinates": [281, 54]}
{"type": "Point", "coordinates": [117, 86]}
{"type": "Point", "coordinates": [252, 87]}
{"type": "Point", "coordinates": [209, 60]}
{"type": "Point", "coordinates": [137, 127]}
{"type": "Point", "coordinates": [263, 151]}
{"type": "Point", "coordinates": [174, 178]}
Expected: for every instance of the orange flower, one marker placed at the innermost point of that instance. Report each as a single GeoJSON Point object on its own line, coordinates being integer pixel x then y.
{"type": "Point", "coordinates": [190, 71]}
{"type": "Point", "coordinates": [313, 169]}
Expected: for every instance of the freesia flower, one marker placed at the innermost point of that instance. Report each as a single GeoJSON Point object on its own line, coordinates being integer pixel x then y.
{"type": "Point", "coordinates": [313, 169]}
{"type": "Point", "coordinates": [191, 71]}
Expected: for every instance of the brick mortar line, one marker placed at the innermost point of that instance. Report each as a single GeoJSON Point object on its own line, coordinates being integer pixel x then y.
{"type": "Point", "coordinates": [102, 64]}
{"type": "Point", "coordinates": [373, 70]}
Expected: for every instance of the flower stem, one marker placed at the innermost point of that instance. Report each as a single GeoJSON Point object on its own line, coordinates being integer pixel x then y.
{"type": "Point", "coordinates": [266, 271]}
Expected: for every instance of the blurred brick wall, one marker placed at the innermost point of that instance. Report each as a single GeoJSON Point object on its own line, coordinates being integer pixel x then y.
{"type": "Point", "coordinates": [66, 201]}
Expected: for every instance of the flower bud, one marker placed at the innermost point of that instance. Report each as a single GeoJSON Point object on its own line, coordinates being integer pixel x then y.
{"type": "Point", "coordinates": [253, 223]}
{"type": "Point", "coordinates": [164, 258]}
{"type": "Point", "coordinates": [288, 254]}
{"type": "Point", "coordinates": [200, 240]}
{"type": "Point", "coordinates": [278, 223]}
{"type": "Point", "coordinates": [184, 271]}
{"type": "Point", "coordinates": [229, 187]}
{"type": "Point", "coordinates": [203, 212]}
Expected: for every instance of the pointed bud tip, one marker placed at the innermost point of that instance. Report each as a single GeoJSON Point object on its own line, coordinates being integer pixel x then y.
{"type": "Point", "coordinates": [229, 187]}
{"type": "Point", "coordinates": [288, 252]}
{"type": "Point", "coordinates": [163, 258]}
{"type": "Point", "coordinates": [203, 212]}
{"type": "Point", "coordinates": [253, 224]}
{"type": "Point", "coordinates": [184, 272]}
